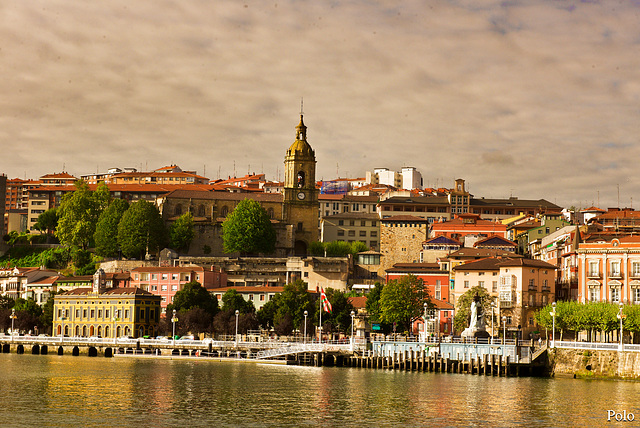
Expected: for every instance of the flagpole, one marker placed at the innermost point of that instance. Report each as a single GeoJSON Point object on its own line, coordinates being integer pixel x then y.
{"type": "Point", "coordinates": [320, 327]}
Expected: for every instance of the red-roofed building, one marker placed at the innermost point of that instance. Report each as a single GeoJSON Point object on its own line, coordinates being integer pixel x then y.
{"type": "Point", "coordinates": [436, 282]}
{"type": "Point", "coordinates": [468, 229]}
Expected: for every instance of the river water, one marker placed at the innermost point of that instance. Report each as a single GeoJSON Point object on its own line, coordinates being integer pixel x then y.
{"type": "Point", "coordinates": [62, 391]}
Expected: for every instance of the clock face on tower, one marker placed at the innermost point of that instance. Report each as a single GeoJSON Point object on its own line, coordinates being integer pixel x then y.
{"type": "Point", "coordinates": [301, 195]}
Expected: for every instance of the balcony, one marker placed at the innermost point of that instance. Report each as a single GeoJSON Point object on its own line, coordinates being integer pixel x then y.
{"type": "Point", "coordinates": [546, 288]}
{"type": "Point", "coordinates": [594, 275]}
{"type": "Point", "coordinates": [615, 275]}
{"type": "Point", "coordinates": [506, 304]}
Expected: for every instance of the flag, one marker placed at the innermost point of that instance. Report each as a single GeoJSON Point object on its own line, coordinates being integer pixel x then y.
{"type": "Point", "coordinates": [326, 305]}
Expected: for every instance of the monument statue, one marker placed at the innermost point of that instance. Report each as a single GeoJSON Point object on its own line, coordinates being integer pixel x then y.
{"type": "Point", "coordinates": [476, 323]}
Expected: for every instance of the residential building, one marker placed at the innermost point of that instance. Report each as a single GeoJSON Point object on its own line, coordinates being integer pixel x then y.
{"type": "Point", "coordinates": [496, 242]}
{"type": "Point", "coordinates": [560, 249]}
{"type": "Point", "coordinates": [259, 296]}
{"type": "Point", "coordinates": [408, 178]}
{"type": "Point", "coordinates": [549, 223]}
{"type": "Point", "coordinates": [18, 282]}
{"type": "Point", "coordinates": [468, 229]}
{"type": "Point", "coordinates": [169, 175]}
{"type": "Point", "coordinates": [521, 286]}
{"type": "Point", "coordinates": [437, 248]}
{"type": "Point", "coordinates": [351, 227]}
{"type": "Point", "coordinates": [609, 268]}
{"type": "Point", "coordinates": [625, 220]}
{"type": "Point", "coordinates": [167, 281]}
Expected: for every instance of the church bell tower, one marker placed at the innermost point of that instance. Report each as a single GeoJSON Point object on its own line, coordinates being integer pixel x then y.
{"type": "Point", "coordinates": [300, 193]}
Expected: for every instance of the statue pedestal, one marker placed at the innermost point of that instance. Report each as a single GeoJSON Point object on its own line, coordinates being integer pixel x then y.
{"type": "Point", "coordinates": [475, 332]}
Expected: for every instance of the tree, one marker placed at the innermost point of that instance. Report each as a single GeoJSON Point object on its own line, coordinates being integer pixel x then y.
{"type": "Point", "coordinates": [373, 303]}
{"type": "Point", "coordinates": [181, 232]}
{"type": "Point", "coordinates": [233, 301]}
{"type": "Point", "coordinates": [463, 306]}
{"type": "Point", "coordinates": [47, 221]}
{"type": "Point", "coordinates": [340, 317]}
{"type": "Point", "coordinates": [141, 230]}
{"type": "Point", "coordinates": [287, 308]}
{"type": "Point", "coordinates": [316, 248]}
{"type": "Point", "coordinates": [106, 235]}
{"type": "Point", "coordinates": [338, 248]}
{"type": "Point", "coordinates": [194, 295]}
{"type": "Point", "coordinates": [248, 229]}
{"type": "Point", "coordinates": [402, 301]}
{"type": "Point", "coordinates": [77, 216]}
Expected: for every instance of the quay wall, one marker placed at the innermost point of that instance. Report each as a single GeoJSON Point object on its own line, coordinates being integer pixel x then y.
{"type": "Point", "coordinates": [582, 363]}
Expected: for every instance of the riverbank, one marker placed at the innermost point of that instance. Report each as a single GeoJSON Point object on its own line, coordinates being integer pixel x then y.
{"type": "Point", "coordinates": [202, 358]}
{"type": "Point", "coordinates": [594, 364]}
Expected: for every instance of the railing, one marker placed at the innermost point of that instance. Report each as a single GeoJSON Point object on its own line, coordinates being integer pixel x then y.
{"type": "Point", "coordinates": [595, 345]}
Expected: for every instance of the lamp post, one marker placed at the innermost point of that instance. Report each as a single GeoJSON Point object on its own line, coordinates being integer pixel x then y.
{"type": "Point", "coordinates": [621, 317]}
{"type": "Point", "coordinates": [13, 317]}
{"type": "Point", "coordinates": [353, 314]}
{"type": "Point", "coordinates": [424, 318]}
{"type": "Point", "coordinates": [304, 340]}
{"type": "Point", "coordinates": [174, 320]}
{"type": "Point", "coordinates": [504, 330]}
{"type": "Point", "coordinates": [237, 313]}
{"type": "Point", "coordinates": [553, 330]}
{"type": "Point", "coordinates": [493, 306]}
{"type": "Point", "coordinates": [115, 336]}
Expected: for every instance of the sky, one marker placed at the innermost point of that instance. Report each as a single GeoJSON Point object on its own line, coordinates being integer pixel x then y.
{"type": "Point", "coordinates": [527, 98]}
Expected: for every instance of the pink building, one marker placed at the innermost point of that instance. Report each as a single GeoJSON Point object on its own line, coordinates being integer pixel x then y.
{"type": "Point", "coordinates": [166, 281]}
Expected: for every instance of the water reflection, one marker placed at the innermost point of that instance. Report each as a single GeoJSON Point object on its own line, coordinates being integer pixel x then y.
{"type": "Point", "coordinates": [68, 391]}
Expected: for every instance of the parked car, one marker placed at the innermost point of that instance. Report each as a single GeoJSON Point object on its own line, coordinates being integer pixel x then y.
{"type": "Point", "coordinates": [188, 337]}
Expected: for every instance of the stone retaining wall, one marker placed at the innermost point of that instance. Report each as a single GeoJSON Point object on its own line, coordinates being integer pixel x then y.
{"type": "Point", "coordinates": [595, 364]}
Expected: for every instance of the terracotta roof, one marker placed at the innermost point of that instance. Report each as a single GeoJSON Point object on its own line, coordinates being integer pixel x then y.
{"type": "Point", "coordinates": [494, 240]}
{"type": "Point", "coordinates": [489, 263]}
{"type": "Point", "coordinates": [353, 215]}
{"type": "Point", "coordinates": [108, 291]}
{"type": "Point", "coordinates": [358, 302]}
{"type": "Point", "coordinates": [442, 305]}
{"type": "Point", "coordinates": [229, 196]}
{"type": "Point", "coordinates": [522, 262]}
{"type": "Point", "coordinates": [249, 289]}
{"type": "Point", "coordinates": [168, 269]}
{"type": "Point", "coordinates": [480, 253]}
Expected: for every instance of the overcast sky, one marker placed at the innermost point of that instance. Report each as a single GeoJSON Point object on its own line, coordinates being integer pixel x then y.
{"type": "Point", "coordinates": [532, 98]}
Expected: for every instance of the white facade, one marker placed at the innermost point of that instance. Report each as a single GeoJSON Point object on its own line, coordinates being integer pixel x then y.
{"type": "Point", "coordinates": [411, 178]}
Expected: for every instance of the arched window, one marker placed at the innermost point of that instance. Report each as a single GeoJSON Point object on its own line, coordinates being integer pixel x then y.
{"type": "Point", "coordinates": [84, 331]}
{"type": "Point", "coordinates": [66, 330]}
{"type": "Point", "coordinates": [270, 212]}
{"type": "Point", "coordinates": [99, 331]}
{"type": "Point", "coordinates": [178, 210]}
{"type": "Point", "coordinates": [77, 331]}
{"type": "Point", "coordinates": [300, 178]}
{"type": "Point", "coordinates": [201, 211]}
{"type": "Point", "coordinates": [106, 331]}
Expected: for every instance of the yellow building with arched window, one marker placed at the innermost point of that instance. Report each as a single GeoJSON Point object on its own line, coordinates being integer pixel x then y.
{"type": "Point", "coordinates": [106, 312]}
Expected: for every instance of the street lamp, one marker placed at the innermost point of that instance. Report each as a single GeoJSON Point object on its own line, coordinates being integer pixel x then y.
{"type": "Point", "coordinates": [504, 330]}
{"type": "Point", "coordinates": [493, 306]}
{"type": "Point", "coordinates": [424, 317]}
{"type": "Point", "coordinates": [353, 314]}
{"type": "Point", "coordinates": [174, 320]}
{"type": "Point", "coordinates": [13, 317]}
{"type": "Point", "coordinates": [115, 337]}
{"type": "Point", "coordinates": [237, 313]}
{"type": "Point", "coordinates": [304, 340]}
{"type": "Point", "coordinates": [621, 317]}
{"type": "Point", "coordinates": [553, 314]}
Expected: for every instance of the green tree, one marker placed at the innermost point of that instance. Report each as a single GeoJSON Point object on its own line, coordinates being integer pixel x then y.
{"type": "Point", "coordinates": [340, 317]}
{"type": "Point", "coordinates": [373, 303]}
{"type": "Point", "coordinates": [77, 216]}
{"type": "Point", "coordinates": [47, 221]}
{"type": "Point", "coordinates": [287, 308]}
{"type": "Point", "coordinates": [194, 295]}
{"type": "Point", "coordinates": [141, 229]}
{"type": "Point", "coordinates": [316, 248]}
{"type": "Point", "coordinates": [232, 301]}
{"type": "Point", "coordinates": [248, 229]}
{"type": "Point", "coordinates": [402, 301]}
{"type": "Point", "coordinates": [46, 319]}
{"type": "Point", "coordinates": [106, 235]}
{"type": "Point", "coordinates": [463, 306]}
{"type": "Point", "coordinates": [181, 232]}
{"type": "Point", "coordinates": [358, 247]}
{"type": "Point", "coordinates": [338, 248]}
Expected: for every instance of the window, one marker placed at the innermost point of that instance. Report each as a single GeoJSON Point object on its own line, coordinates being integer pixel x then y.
{"type": "Point", "coordinates": [363, 233]}
{"type": "Point", "coordinates": [466, 284]}
{"type": "Point", "coordinates": [532, 283]}
{"type": "Point", "coordinates": [509, 320]}
{"type": "Point", "coordinates": [615, 294]}
{"type": "Point", "coordinates": [93, 313]}
{"type": "Point", "coordinates": [174, 276]}
{"type": "Point", "coordinates": [352, 233]}
{"type": "Point", "coordinates": [340, 232]}
{"type": "Point", "coordinates": [251, 297]}
{"type": "Point", "coordinates": [126, 314]}
{"type": "Point", "coordinates": [531, 321]}
{"type": "Point", "coordinates": [636, 295]}
{"type": "Point", "coordinates": [480, 273]}
{"type": "Point", "coordinates": [635, 269]}
{"type": "Point", "coordinates": [99, 313]}
{"type": "Point", "coordinates": [481, 284]}
{"type": "Point", "coordinates": [164, 287]}
{"type": "Point", "coordinates": [174, 287]}
{"type": "Point", "coordinates": [494, 286]}
{"type": "Point", "coordinates": [154, 276]}
{"type": "Point", "coordinates": [374, 233]}
{"type": "Point", "coordinates": [594, 294]}
{"type": "Point", "coordinates": [615, 269]}
{"type": "Point", "coordinates": [154, 287]}
{"type": "Point", "coordinates": [84, 313]}
{"type": "Point", "coordinates": [438, 296]}
{"type": "Point", "coordinates": [594, 271]}
{"type": "Point", "coordinates": [363, 223]}
{"type": "Point", "coordinates": [165, 276]}
{"type": "Point", "coordinates": [262, 297]}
